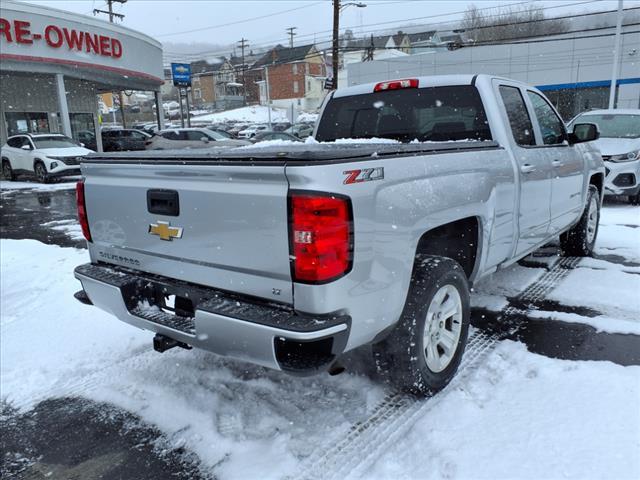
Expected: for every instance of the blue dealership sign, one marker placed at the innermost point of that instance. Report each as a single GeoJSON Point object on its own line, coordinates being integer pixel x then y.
{"type": "Point", "coordinates": [181, 73]}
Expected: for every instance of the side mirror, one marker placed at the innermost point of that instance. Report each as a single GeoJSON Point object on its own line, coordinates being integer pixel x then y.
{"type": "Point", "coordinates": [584, 132]}
{"type": "Point", "coordinates": [205, 139]}
{"type": "Point", "coordinates": [26, 147]}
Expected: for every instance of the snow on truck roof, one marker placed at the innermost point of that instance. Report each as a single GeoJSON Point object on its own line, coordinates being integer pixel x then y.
{"type": "Point", "coordinates": [428, 81]}
{"type": "Point", "coordinates": [613, 111]}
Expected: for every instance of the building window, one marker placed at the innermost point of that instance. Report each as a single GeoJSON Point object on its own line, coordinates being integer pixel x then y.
{"type": "Point", "coordinates": [197, 93]}
{"type": "Point", "coordinates": [294, 68]}
{"type": "Point", "coordinates": [296, 88]}
{"type": "Point", "coordinates": [27, 122]}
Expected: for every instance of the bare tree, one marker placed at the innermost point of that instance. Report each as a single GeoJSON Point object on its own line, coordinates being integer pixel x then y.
{"type": "Point", "coordinates": [509, 23]}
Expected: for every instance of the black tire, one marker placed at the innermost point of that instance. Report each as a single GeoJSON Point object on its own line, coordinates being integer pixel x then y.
{"type": "Point", "coordinates": [634, 199]}
{"type": "Point", "coordinates": [41, 172]}
{"type": "Point", "coordinates": [401, 358]}
{"type": "Point", "coordinates": [7, 171]}
{"type": "Point", "coordinates": [580, 240]}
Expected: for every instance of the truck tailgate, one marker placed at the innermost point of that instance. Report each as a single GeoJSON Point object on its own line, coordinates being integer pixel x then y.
{"type": "Point", "coordinates": [233, 221]}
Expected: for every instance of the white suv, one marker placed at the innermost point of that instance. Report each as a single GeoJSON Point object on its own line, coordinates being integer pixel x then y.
{"type": "Point", "coordinates": [44, 155]}
{"type": "Point", "coordinates": [619, 144]}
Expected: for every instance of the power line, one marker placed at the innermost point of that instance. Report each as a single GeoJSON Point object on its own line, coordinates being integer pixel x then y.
{"type": "Point", "coordinates": [327, 39]}
{"type": "Point", "coordinates": [222, 25]}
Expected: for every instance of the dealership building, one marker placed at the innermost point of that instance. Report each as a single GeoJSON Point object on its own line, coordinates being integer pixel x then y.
{"type": "Point", "coordinates": [54, 64]}
{"type": "Point", "coordinates": [573, 70]}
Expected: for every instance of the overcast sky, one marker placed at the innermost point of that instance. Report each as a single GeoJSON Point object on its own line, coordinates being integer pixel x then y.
{"type": "Point", "coordinates": [222, 22]}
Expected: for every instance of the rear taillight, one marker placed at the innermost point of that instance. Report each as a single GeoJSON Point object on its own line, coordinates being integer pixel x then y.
{"type": "Point", "coordinates": [321, 238]}
{"type": "Point", "coordinates": [82, 210]}
{"type": "Point", "coordinates": [396, 85]}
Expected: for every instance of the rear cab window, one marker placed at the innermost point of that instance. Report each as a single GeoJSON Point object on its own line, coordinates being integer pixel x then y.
{"type": "Point", "coordinates": [519, 120]}
{"type": "Point", "coordinates": [437, 114]}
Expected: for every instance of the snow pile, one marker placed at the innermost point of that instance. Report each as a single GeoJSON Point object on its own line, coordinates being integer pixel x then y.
{"type": "Point", "coordinates": [253, 114]}
{"type": "Point", "coordinates": [71, 228]}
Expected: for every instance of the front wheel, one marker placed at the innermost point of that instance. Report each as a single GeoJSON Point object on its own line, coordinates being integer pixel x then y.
{"type": "Point", "coordinates": [41, 172]}
{"type": "Point", "coordinates": [581, 239]}
{"type": "Point", "coordinates": [422, 353]}
{"type": "Point", "coordinates": [7, 171]}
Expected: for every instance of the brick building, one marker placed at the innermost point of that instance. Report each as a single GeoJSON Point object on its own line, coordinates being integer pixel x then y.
{"type": "Point", "coordinates": [296, 77]}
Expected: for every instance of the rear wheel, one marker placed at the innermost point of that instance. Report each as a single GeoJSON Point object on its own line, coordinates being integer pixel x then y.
{"type": "Point", "coordinates": [7, 171]}
{"type": "Point", "coordinates": [634, 199]}
{"type": "Point", "coordinates": [422, 354]}
{"type": "Point", "coordinates": [41, 172]}
{"type": "Point", "coordinates": [581, 239]}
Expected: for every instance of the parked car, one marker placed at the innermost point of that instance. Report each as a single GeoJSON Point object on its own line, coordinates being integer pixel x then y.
{"type": "Point", "coordinates": [191, 138]}
{"type": "Point", "coordinates": [220, 132]}
{"type": "Point", "coordinates": [233, 131]}
{"type": "Point", "coordinates": [281, 126]}
{"type": "Point", "coordinates": [264, 136]}
{"type": "Point", "coordinates": [43, 155]}
{"type": "Point", "coordinates": [379, 241]}
{"type": "Point", "coordinates": [300, 130]}
{"type": "Point", "coordinates": [251, 131]}
{"type": "Point", "coordinates": [619, 144]}
{"type": "Point", "coordinates": [116, 139]}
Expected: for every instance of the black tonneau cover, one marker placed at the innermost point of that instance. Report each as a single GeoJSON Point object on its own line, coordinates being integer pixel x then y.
{"type": "Point", "coordinates": [294, 153]}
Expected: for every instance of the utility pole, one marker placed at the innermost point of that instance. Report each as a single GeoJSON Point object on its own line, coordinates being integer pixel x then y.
{"type": "Point", "coordinates": [337, 8]}
{"type": "Point", "coordinates": [616, 58]}
{"type": "Point", "coordinates": [110, 11]}
{"type": "Point", "coordinates": [336, 40]}
{"type": "Point", "coordinates": [290, 32]}
{"type": "Point", "coordinates": [266, 84]}
{"type": "Point", "coordinates": [111, 17]}
{"type": "Point", "coordinates": [243, 44]}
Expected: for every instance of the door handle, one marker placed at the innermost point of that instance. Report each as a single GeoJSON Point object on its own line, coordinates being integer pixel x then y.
{"type": "Point", "coordinates": [556, 163]}
{"type": "Point", "coordinates": [527, 168]}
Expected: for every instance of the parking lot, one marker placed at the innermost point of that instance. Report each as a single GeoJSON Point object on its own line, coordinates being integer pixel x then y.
{"type": "Point", "coordinates": [555, 344]}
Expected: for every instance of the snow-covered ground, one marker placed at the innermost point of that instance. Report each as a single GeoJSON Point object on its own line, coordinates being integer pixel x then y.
{"type": "Point", "coordinates": [254, 114]}
{"type": "Point", "coordinates": [518, 415]}
{"type": "Point", "coordinates": [67, 183]}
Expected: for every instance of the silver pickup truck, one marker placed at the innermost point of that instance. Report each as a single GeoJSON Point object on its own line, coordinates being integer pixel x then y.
{"type": "Point", "coordinates": [290, 255]}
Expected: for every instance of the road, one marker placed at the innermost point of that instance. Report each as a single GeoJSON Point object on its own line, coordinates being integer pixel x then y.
{"type": "Point", "coordinates": [79, 437]}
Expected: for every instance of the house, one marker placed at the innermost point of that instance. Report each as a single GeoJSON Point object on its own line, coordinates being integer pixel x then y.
{"type": "Point", "coordinates": [295, 77]}
{"type": "Point", "coordinates": [214, 85]}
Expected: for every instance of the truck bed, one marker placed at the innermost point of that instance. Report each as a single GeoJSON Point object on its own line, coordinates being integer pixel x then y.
{"type": "Point", "coordinates": [299, 153]}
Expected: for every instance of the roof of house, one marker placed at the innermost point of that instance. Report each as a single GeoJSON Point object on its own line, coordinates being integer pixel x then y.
{"type": "Point", "coordinates": [202, 66]}
{"type": "Point", "coordinates": [398, 37]}
{"type": "Point", "coordinates": [379, 41]}
{"type": "Point", "coordinates": [280, 54]}
{"type": "Point", "coordinates": [421, 36]}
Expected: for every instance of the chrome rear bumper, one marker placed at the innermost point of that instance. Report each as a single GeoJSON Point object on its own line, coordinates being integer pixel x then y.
{"type": "Point", "coordinates": [249, 329]}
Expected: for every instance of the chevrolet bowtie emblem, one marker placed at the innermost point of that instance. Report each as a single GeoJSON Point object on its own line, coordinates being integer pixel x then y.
{"type": "Point", "coordinates": [165, 231]}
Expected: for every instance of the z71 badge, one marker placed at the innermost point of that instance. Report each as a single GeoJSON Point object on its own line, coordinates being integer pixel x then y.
{"type": "Point", "coordinates": [364, 175]}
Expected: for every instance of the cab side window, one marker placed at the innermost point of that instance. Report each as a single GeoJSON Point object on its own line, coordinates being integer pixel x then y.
{"type": "Point", "coordinates": [519, 119]}
{"type": "Point", "coordinates": [15, 142]}
{"type": "Point", "coordinates": [550, 125]}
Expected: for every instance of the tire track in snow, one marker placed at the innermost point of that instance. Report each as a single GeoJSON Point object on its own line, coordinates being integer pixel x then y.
{"type": "Point", "coordinates": [349, 455]}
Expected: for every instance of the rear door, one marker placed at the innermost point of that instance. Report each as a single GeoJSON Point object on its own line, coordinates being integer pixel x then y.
{"type": "Point", "coordinates": [219, 225]}
{"type": "Point", "coordinates": [566, 162]}
{"type": "Point", "coordinates": [534, 169]}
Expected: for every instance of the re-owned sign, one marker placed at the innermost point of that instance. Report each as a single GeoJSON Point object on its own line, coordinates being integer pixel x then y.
{"type": "Point", "coordinates": [19, 31]}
